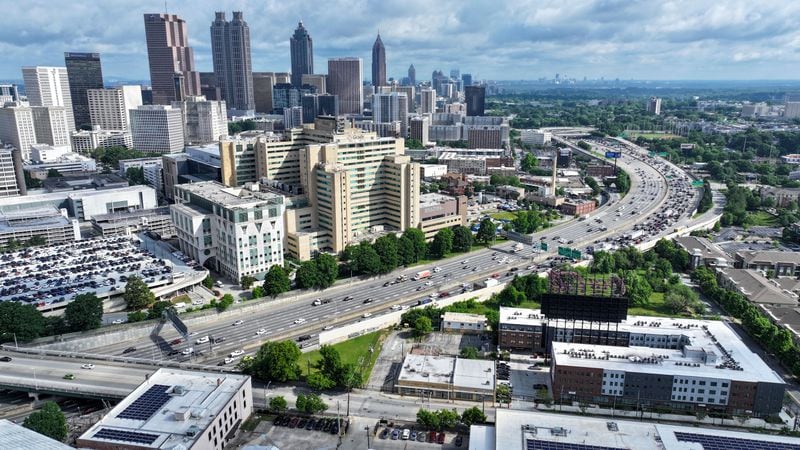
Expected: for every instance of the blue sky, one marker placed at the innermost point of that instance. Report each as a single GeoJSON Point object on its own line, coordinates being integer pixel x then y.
{"type": "Point", "coordinates": [511, 39]}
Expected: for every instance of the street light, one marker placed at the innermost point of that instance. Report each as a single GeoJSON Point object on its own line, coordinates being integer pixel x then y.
{"type": "Point", "coordinates": [367, 430]}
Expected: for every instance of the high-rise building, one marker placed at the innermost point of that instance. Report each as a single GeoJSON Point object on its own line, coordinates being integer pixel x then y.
{"type": "Point", "coordinates": [285, 95]}
{"type": "Point", "coordinates": [390, 108]}
{"type": "Point", "coordinates": [263, 83]}
{"type": "Point", "coordinates": [654, 105]}
{"type": "Point", "coordinates": [791, 110]}
{"type": "Point", "coordinates": [209, 88]}
{"type": "Point", "coordinates": [84, 72]}
{"type": "Point", "coordinates": [8, 93]}
{"type": "Point", "coordinates": [302, 53]}
{"type": "Point", "coordinates": [344, 79]}
{"type": "Point", "coordinates": [110, 108]}
{"type": "Point", "coordinates": [51, 125]}
{"type": "Point", "coordinates": [455, 74]}
{"type": "Point", "coordinates": [476, 100]}
{"type": "Point", "coordinates": [157, 129]}
{"type": "Point", "coordinates": [12, 180]}
{"type": "Point", "coordinates": [316, 80]}
{"type": "Point", "coordinates": [378, 62]}
{"type": "Point", "coordinates": [412, 75]}
{"type": "Point", "coordinates": [204, 120]}
{"type": "Point", "coordinates": [419, 129]}
{"type": "Point", "coordinates": [230, 48]}
{"type": "Point", "coordinates": [466, 79]}
{"type": "Point", "coordinates": [427, 101]}
{"type": "Point", "coordinates": [16, 128]}
{"type": "Point", "coordinates": [293, 117]}
{"type": "Point", "coordinates": [319, 105]}
{"type": "Point", "coordinates": [172, 72]}
{"type": "Point", "coordinates": [49, 86]}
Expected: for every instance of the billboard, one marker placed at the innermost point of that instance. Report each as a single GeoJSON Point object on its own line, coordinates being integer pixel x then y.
{"type": "Point", "coordinates": [613, 155]}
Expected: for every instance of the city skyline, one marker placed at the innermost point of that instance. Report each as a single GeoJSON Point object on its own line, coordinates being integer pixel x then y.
{"type": "Point", "coordinates": [517, 40]}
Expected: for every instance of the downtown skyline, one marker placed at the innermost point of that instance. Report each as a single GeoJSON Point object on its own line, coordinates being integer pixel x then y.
{"type": "Point", "coordinates": [514, 40]}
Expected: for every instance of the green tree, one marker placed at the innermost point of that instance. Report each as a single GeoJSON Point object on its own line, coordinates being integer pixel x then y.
{"type": "Point", "coordinates": [310, 404]}
{"type": "Point", "coordinates": [486, 232]}
{"type": "Point", "coordinates": [462, 239]}
{"type": "Point", "coordinates": [224, 303]}
{"type": "Point", "coordinates": [21, 320]}
{"type": "Point", "coordinates": [417, 238]}
{"type": "Point", "coordinates": [529, 163]}
{"type": "Point", "coordinates": [386, 247]}
{"type": "Point", "coordinates": [510, 296]}
{"type": "Point", "coordinates": [427, 419]}
{"type": "Point", "coordinates": [414, 144]}
{"type": "Point", "coordinates": [448, 418]}
{"type": "Point", "coordinates": [307, 275]}
{"type": "Point", "coordinates": [276, 361]}
{"type": "Point", "coordinates": [330, 362]}
{"type": "Point", "coordinates": [469, 353]}
{"type": "Point", "coordinates": [54, 173]}
{"type": "Point", "coordinates": [422, 326]}
{"type": "Point", "coordinates": [157, 310]}
{"type": "Point", "coordinates": [278, 404]}
{"type": "Point", "coordinates": [137, 295]}
{"type": "Point", "coordinates": [442, 243]}
{"type": "Point", "coordinates": [405, 251]}
{"type": "Point", "coordinates": [592, 183]}
{"type": "Point", "coordinates": [366, 259]}
{"type": "Point", "coordinates": [602, 262]}
{"type": "Point", "coordinates": [135, 176]}
{"type": "Point", "coordinates": [137, 316]}
{"type": "Point", "coordinates": [638, 289]}
{"type": "Point", "coordinates": [247, 281]}
{"type": "Point", "coordinates": [84, 313]}
{"type": "Point", "coordinates": [208, 282]}
{"type": "Point", "coordinates": [320, 381]}
{"type": "Point", "coordinates": [276, 281]}
{"type": "Point", "coordinates": [257, 292]}
{"type": "Point", "coordinates": [472, 416]}
{"type": "Point", "coordinates": [327, 270]}
{"type": "Point", "coordinates": [48, 421]}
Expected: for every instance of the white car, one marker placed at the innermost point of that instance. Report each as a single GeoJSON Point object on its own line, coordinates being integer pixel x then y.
{"type": "Point", "coordinates": [261, 331]}
{"type": "Point", "coordinates": [396, 307]}
{"type": "Point", "coordinates": [236, 353]}
{"type": "Point", "coordinates": [87, 366]}
{"type": "Point", "coordinates": [429, 283]}
{"type": "Point", "coordinates": [365, 315]}
{"type": "Point", "coordinates": [238, 322]}
{"type": "Point", "coordinates": [531, 267]}
{"type": "Point", "coordinates": [197, 302]}
{"type": "Point", "coordinates": [317, 302]}
{"type": "Point", "coordinates": [437, 269]}
{"type": "Point", "coordinates": [229, 360]}
{"type": "Point", "coordinates": [187, 351]}
{"type": "Point", "coordinates": [404, 307]}
{"type": "Point", "coordinates": [327, 327]}
{"type": "Point", "coordinates": [118, 321]}
{"type": "Point", "coordinates": [202, 340]}
{"type": "Point", "coordinates": [299, 321]}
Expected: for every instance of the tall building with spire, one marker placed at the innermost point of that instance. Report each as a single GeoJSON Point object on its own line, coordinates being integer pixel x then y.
{"type": "Point", "coordinates": [302, 49]}
{"type": "Point", "coordinates": [230, 48]}
{"type": "Point", "coordinates": [172, 72]}
{"type": "Point", "coordinates": [378, 63]}
{"type": "Point", "coordinates": [412, 75]}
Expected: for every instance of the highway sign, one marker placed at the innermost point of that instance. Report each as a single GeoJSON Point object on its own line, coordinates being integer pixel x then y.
{"type": "Point", "coordinates": [575, 254]}
{"type": "Point", "coordinates": [697, 183]}
{"type": "Point", "coordinates": [614, 155]}
{"type": "Point", "coordinates": [564, 251]}
{"type": "Point", "coordinates": [543, 246]}
{"type": "Point", "coordinates": [662, 154]}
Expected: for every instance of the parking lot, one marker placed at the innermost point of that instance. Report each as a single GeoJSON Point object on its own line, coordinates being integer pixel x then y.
{"type": "Point", "coordinates": [525, 378]}
{"type": "Point", "coordinates": [450, 344]}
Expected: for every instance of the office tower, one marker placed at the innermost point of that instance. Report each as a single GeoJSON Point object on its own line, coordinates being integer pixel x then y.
{"type": "Point", "coordinates": [791, 110]}
{"type": "Point", "coordinates": [654, 105]}
{"type": "Point", "coordinates": [316, 80]}
{"type": "Point", "coordinates": [344, 80]}
{"type": "Point", "coordinates": [209, 87]}
{"type": "Point", "coordinates": [235, 230]}
{"type": "Point", "coordinates": [293, 117]}
{"type": "Point", "coordinates": [419, 129]}
{"type": "Point", "coordinates": [319, 105]}
{"type": "Point", "coordinates": [466, 79]}
{"type": "Point", "coordinates": [302, 53]}
{"type": "Point", "coordinates": [455, 74]}
{"type": "Point", "coordinates": [437, 77]}
{"type": "Point", "coordinates": [8, 93]}
{"type": "Point", "coordinates": [50, 124]}
{"type": "Point", "coordinates": [16, 128]}
{"type": "Point", "coordinates": [48, 86]}
{"type": "Point", "coordinates": [204, 120]}
{"type": "Point", "coordinates": [486, 132]}
{"type": "Point", "coordinates": [476, 100]}
{"type": "Point", "coordinates": [157, 129]}
{"type": "Point", "coordinates": [172, 72]}
{"type": "Point", "coordinates": [412, 75]}
{"type": "Point", "coordinates": [12, 179]}
{"type": "Point", "coordinates": [110, 108]}
{"type": "Point", "coordinates": [427, 101]}
{"type": "Point", "coordinates": [285, 95]}
{"type": "Point", "coordinates": [230, 48]}
{"type": "Point", "coordinates": [447, 90]}
{"type": "Point", "coordinates": [390, 108]}
{"type": "Point", "coordinates": [410, 92]}
{"type": "Point", "coordinates": [263, 83]}
{"type": "Point", "coordinates": [378, 62]}
{"type": "Point", "coordinates": [84, 72]}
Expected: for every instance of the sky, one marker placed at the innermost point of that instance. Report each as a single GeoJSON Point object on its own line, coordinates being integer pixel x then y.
{"type": "Point", "coordinates": [497, 40]}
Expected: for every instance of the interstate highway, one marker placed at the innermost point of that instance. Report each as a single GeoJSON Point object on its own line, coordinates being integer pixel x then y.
{"type": "Point", "coordinates": [648, 192]}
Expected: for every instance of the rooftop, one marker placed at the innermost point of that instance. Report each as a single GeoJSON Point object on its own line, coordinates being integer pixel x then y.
{"type": "Point", "coordinates": [17, 437]}
{"type": "Point", "coordinates": [229, 196]}
{"type": "Point", "coordinates": [464, 373]}
{"type": "Point", "coordinates": [464, 317]}
{"type": "Point", "coordinates": [758, 288]}
{"type": "Point", "coordinates": [428, 200]}
{"type": "Point", "coordinates": [701, 245]}
{"type": "Point", "coordinates": [169, 410]}
{"type": "Point", "coordinates": [770, 257]}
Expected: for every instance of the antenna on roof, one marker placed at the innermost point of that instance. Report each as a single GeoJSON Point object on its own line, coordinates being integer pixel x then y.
{"type": "Point", "coordinates": [165, 7]}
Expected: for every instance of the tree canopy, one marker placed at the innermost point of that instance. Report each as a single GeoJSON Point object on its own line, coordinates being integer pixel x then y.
{"type": "Point", "coordinates": [137, 295]}
{"type": "Point", "coordinates": [84, 313]}
{"type": "Point", "coordinates": [48, 421]}
{"type": "Point", "coordinates": [276, 361]}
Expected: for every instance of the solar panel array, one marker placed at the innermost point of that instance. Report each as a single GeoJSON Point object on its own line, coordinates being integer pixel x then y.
{"type": "Point", "coordinates": [147, 404]}
{"type": "Point", "coordinates": [125, 436]}
{"type": "Point", "coordinates": [710, 442]}
{"type": "Point", "coordinates": [537, 444]}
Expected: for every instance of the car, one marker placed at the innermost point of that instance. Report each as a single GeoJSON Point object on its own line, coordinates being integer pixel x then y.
{"type": "Point", "coordinates": [304, 337]}
{"type": "Point", "coordinates": [531, 267]}
{"type": "Point", "coordinates": [201, 340]}
{"type": "Point", "coordinates": [429, 283]}
{"type": "Point", "coordinates": [129, 350]}
{"type": "Point", "coordinates": [459, 441]}
{"type": "Point", "coordinates": [176, 341]}
{"type": "Point", "coordinates": [366, 315]}
{"type": "Point", "coordinates": [174, 352]}
{"type": "Point", "coordinates": [388, 283]}
{"type": "Point", "coordinates": [396, 307]}
{"type": "Point", "coordinates": [413, 436]}
{"type": "Point", "coordinates": [218, 283]}
{"type": "Point", "coordinates": [436, 269]}
{"type": "Point", "coordinates": [299, 321]}
{"type": "Point", "coordinates": [277, 421]}
{"type": "Point", "coordinates": [327, 327]}
{"type": "Point", "coordinates": [311, 422]}
{"type": "Point", "coordinates": [495, 275]}
{"type": "Point", "coordinates": [219, 340]}
{"type": "Point", "coordinates": [431, 436]}
{"type": "Point", "coordinates": [440, 438]}
{"type": "Point", "coordinates": [316, 302]}
{"type": "Point", "coordinates": [118, 321]}
{"type": "Point", "coordinates": [69, 376]}
{"type": "Point", "coordinates": [187, 351]}
{"type": "Point", "coordinates": [406, 434]}
{"type": "Point", "coordinates": [87, 366]}
{"type": "Point", "coordinates": [228, 360]}
{"type": "Point", "coordinates": [320, 423]}
{"type": "Point", "coordinates": [238, 322]}
{"type": "Point", "coordinates": [395, 434]}
{"type": "Point", "coordinates": [327, 427]}
{"type": "Point", "coordinates": [293, 422]}
{"type": "Point", "coordinates": [302, 423]}
{"type": "Point", "coordinates": [348, 298]}
{"type": "Point", "coordinates": [236, 353]}
{"type": "Point", "coordinates": [384, 433]}
{"type": "Point", "coordinates": [422, 436]}
{"type": "Point", "coordinates": [368, 300]}
{"type": "Point", "coordinates": [261, 331]}
{"type": "Point", "coordinates": [5, 359]}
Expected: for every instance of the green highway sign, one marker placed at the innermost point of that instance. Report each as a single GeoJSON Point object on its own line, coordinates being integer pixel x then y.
{"type": "Point", "coordinates": [569, 252]}
{"type": "Point", "coordinates": [576, 254]}
{"type": "Point", "coordinates": [543, 246]}
{"type": "Point", "coordinates": [662, 154]}
{"type": "Point", "coordinates": [697, 183]}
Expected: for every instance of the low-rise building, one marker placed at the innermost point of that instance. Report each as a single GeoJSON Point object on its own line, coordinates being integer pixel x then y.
{"type": "Point", "coordinates": [792, 158]}
{"type": "Point", "coordinates": [433, 170]}
{"type": "Point", "coordinates": [781, 196]}
{"type": "Point", "coordinates": [437, 211]}
{"type": "Point", "coordinates": [176, 409]}
{"type": "Point", "coordinates": [17, 437]}
{"type": "Point", "coordinates": [446, 377]}
{"type": "Point", "coordinates": [508, 191]}
{"type": "Point", "coordinates": [578, 207]}
{"type": "Point", "coordinates": [599, 170]}
{"type": "Point", "coordinates": [464, 323]}
{"type": "Point", "coordinates": [84, 141]}
{"type": "Point", "coordinates": [138, 163]}
{"type": "Point", "coordinates": [756, 287]}
{"type": "Point", "coordinates": [157, 220]}
{"type": "Point", "coordinates": [197, 163]}
{"type": "Point", "coordinates": [703, 252]}
{"type": "Point", "coordinates": [782, 264]}
{"type": "Point", "coordinates": [535, 137]}
{"type": "Point", "coordinates": [45, 157]}
{"type": "Point", "coordinates": [47, 222]}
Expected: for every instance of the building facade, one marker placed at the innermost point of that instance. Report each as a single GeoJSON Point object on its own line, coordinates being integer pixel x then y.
{"type": "Point", "coordinates": [172, 71]}
{"type": "Point", "coordinates": [110, 108]}
{"type": "Point", "coordinates": [378, 63]}
{"type": "Point", "coordinates": [12, 180]}
{"type": "Point", "coordinates": [17, 129]}
{"type": "Point", "coordinates": [49, 86]}
{"type": "Point", "coordinates": [315, 105]}
{"type": "Point", "coordinates": [344, 80]}
{"type": "Point", "coordinates": [391, 107]}
{"type": "Point", "coordinates": [654, 105]}
{"type": "Point", "coordinates": [85, 141]}
{"type": "Point", "coordinates": [263, 82]}
{"type": "Point", "coordinates": [230, 48]}
{"type": "Point", "coordinates": [437, 212]}
{"type": "Point", "coordinates": [204, 120]}
{"type": "Point", "coordinates": [83, 72]}
{"type": "Point", "coordinates": [157, 129]}
{"type": "Point", "coordinates": [302, 54]}
{"type": "Point", "coordinates": [476, 100]}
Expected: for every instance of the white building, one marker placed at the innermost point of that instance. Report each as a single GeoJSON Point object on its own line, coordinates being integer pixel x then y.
{"type": "Point", "coordinates": [157, 129]}
{"type": "Point", "coordinates": [391, 107]}
{"type": "Point", "coordinates": [12, 181]}
{"type": "Point", "coordinates": [51, 124]}
{"type": "Point", "coordinates": [16, 128]}
{"type": "Point", "coordinates": [535, 137]}
{"type": "Point", "coordinates": [792, 110]}
{"type": "Point", "coordinates": [49, 86]}
{"type": "Point", "coordinates": [464, 323]}
{"type": "Point", "coordinates": [240, 230]}
{"type": "Point", "coordinates": [125, 164]}
{"type": "Point", "coordinates": [204, 120]}
{"type": "Point", "coordinates": [176, 409]}
{"type": "Point", "coordinates": [793, 158]}
{"type": "Point", "coordinates": [13, 436]}
{"type": "Point", "coordinates": [418, 129]}
{"type": "Point", "coordinates": [110, 108]}
{"type": "Point", "coordinates": [293, 117]}
{"type": "Point", "coordinates": [654, 105]}
{"type": "Point", "coordinates": [85, 141]}
{"type": "Point", "coordinates": [45, 157]}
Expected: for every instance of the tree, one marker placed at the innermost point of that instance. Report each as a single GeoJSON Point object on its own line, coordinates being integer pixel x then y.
{"type": "Point", "coordinates": [510, 296]}
{"type": "Point", "coordinates": [422, 326]}
{"type": "Point", "coordinates": [276, 361]}
{"type": "Point", "coordinates": [602, 262]}
{"type": "Point", "coordinates": [638, 289]}
{"type": "Point", "coordinates": [247, 281]}
{"type": "Point", "coordinates": [135, 176]}
{"type": "Point", "coordinates": [327, 270]}
{"type": "Point", "coordinates": [417, 238]}
{"type": "Point", "coordinates": [529, 163]}
{"type": "Point", "coordinates": [83, 313]}
{"type": "Point", "coordinates": [330, 362]}
{"type": "Point", "coordinates": [320, 381]}
{"type": "Point", "coordinates": [278, 404]}
{"type": "Point", "coordinates": [157, 310]}
{"type": "Point", "coordinates": [442, 243]}
{"type": "Point", "coordinates": [472, 416]}
{"type": "Point", "coordinates": [53, 173]}
{"type": "Point", "coordinates": [208, 282]}
{"type": "Point", "coordinates": [21, 320]}
{"type": "Point", "coordinates": [137, 295]}
{"type": "Point", "coordinates": [48, 421]}
{"type": "Point", "coordinates": [136, 316]}
{"type": "Point", "coordinates": [448, 418]}
{"type": "Point", "coordinates": [276, 281]}
{"type": "Point", "coordinates": [386, 247]}
{"type": "Point", "coordinates": [307, 276]}
{"type": "Point", "coordinates": [462, 239]}
{"type": "Point", "coordinates": [310, 403]}
{"type": "Point", "coordinates": [469, 353]}
{"type": "Point", "coordinates": [366, 259]}
{"type": "Point", "coordinates": [258, 292]}
{"type": "Point", "coordinates": [427, 419]}
{"type": "Point", "coordinates": [224, 303]}
{"type": "Point", "coordinates": [486, 232]}
{"type": "Point", "coordinates": [405, 251]}
{"type": "Point", "coordinates": [414, 144]}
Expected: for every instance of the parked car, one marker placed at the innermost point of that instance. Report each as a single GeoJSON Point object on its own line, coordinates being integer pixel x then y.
{"type": "Point", "coordinates": [384, 433]}
{"type": "Point", "coordinates": [129, 350]}
{"type": "Point", "coordinates": [440, 438]}
{"type": "Point", "coordinates": [395, 434]}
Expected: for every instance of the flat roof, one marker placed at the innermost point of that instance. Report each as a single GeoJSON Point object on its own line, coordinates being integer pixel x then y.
{"type": "Point", "coordinates": [464, 317]}
{"type": "Point", "coordinates": [758, 288]}
{"type": "Point", "coordinates": [17, 437]}
{"type": "Point", "coordinates": [228, 196]}
{"type": "Point", "coordinates": [474, 374]}
{"type": "Point", "coordinates": [471, 374]}
{"type": "Point", "coordinates": [769, 257]}
{"type": "Point", "coordinates": [199, 396]}
{"type": "Point", "coordinates": [433, 199]}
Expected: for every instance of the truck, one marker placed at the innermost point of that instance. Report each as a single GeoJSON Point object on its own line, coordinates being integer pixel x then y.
{"type": "Point", "coordinates": [424, 301]}
{"type": "Point", "coordinates": [633, 235]}
{"type": "Point", "coordinates": [422, 275]}
{"type": "Point", "coordinates": [489, 282]}
{"type": "Point", "coordinates": [518, 247]}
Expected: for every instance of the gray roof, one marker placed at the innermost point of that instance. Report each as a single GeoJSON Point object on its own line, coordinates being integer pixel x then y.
{"type": "Point", "coordinates": [769, 257]}
{"type": "Point", "coordinates": [758, 288]}
{"type": "Point", "coordinates": [706, 248]}
{"type": "Point", "coordinates": [17, 437]}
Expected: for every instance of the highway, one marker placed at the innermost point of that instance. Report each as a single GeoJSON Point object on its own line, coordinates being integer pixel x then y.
{"type": "Point", "coordinates": [649, 192]}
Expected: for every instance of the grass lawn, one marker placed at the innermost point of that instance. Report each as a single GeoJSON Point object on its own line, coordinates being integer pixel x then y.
{"type": "Point", "coordinates": [633, 136]}
{"type": "Point", "coordinates": [351, 351]}
{"type": "Point", "coordinates": [504, 215]}
{"type": "Point", "coordinates": [181, 298]}
{"type": "Point", "coordinates": [655, 308]}
{"type": "Point", "coordinates": [763, 219]}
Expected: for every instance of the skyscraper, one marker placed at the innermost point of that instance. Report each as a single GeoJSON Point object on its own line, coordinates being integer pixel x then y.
{"type": "Point", "coordinates": [83, 72]}
{"type": "Point", "coordinates": [344, 80]}
{"type": "Point", "coordinates": [378, 63]}
{"type": "Point", "coordinates": [412, 75]}
{"type": "Point", "coordinates": [157, 129]}
{"type": "Point", "coordinates": [476, 100]}
{"type": "Point", "coordinates": [204, 120]}
{"type": "Point", "coordinates": [172, 72]}
{"type": "Point", "coordinates": [427, 101]}
{"type": "Point", "coordinates": [389, 108]}
{"type": "Point", "coordinates": [110, 109]}
{"type": "Point", "coordinates": [49, 86]}
{"type": "Point", "coordinates": [302, 50]}
{"type": "Point", "coordinates": [466, 79]}
{"type": "Point", "coordinates": [263, 82]}
{"type": "Point", "coordinates": [230, 48]}
{"type": "Point", "coordinates": [654, 105]}
{"type": "Point", "coordinates": [319, 105]}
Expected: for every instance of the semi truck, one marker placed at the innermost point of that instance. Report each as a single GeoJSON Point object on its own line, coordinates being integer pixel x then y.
{"type": "Point", "coordinates": [422, 275]}
{"type": "Point", "coordinates": [489, 282]}
{"type": "Point", "coordinates": [518, 247]}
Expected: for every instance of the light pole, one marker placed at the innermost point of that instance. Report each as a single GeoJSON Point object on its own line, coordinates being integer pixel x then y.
{"type": "Point", "coordinates": [367, 430]}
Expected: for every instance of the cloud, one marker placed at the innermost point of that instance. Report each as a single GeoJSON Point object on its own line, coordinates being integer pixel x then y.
{"type": "Point", "coordinates": [513, 39]}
